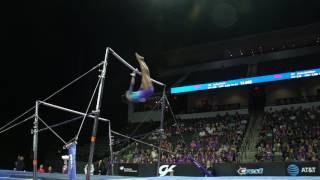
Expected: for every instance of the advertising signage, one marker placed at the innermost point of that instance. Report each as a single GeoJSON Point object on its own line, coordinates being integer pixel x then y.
{"type": "Point", "coordinates": [260, 169]}
{"type": "Point", "coordinates": [302, 169]}
{"type": "Point", "coordinates": [127, 169]}
{"type": "Point", "coordinates": [221, 169]}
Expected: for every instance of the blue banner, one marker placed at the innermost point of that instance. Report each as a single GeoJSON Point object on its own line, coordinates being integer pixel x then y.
{"type": "Point", "coordinates": [247, 81]}
{"type": "Point", "coordinates": [72, 162]}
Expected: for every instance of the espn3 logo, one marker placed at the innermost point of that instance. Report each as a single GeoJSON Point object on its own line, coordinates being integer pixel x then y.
{"type": "Point", "coordinates": [246, 171]}
{"type": "Point", "coordinates": [165, 169]}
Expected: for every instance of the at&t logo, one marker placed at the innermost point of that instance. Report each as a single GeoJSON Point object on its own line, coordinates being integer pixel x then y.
{"type": "Point", "coordinates": [293, 170]}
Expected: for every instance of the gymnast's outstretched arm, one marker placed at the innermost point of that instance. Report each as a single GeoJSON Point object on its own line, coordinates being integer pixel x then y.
{"type": "Point", "coordinates": [132, 82]}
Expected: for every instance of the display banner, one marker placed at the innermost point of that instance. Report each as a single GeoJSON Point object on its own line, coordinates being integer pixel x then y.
{"type": "Point", "coordinates": [260, 169]}
{"type": "Point", "coordinates": [127, 169]}
{"type": "Point", "coordinates": [302, 169]}
{"type": "Point", "coordinates": [221, 169]}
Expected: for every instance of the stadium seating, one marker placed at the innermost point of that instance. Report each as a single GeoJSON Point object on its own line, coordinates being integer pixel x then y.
{"type": "Point", "coordinates": [290, 134]}
{"type": "Point", "coordinates": [208, 140]}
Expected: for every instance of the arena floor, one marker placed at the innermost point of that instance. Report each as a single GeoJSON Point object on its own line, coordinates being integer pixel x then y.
{"type": "Point", "coordinates": [14, 175]}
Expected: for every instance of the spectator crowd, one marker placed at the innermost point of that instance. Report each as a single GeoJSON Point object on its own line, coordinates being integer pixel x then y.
{"type": "Point", "coordinates": [207, 140]}
{"type": "Point", "coordinates": [290, 135]}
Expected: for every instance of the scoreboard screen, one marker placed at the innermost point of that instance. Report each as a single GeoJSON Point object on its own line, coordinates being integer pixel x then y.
{"type": "Point", "coordinates": [246, 81]}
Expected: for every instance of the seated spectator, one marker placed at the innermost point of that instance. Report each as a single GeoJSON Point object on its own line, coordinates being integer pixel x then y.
{"type": "Point", "coordinates": [50, 170]}
{"type": "Point", "coordinates": [209, 129]}
{"type": "Point", "coordinates": [100, 168]}
{"type": "Point", "coordinates": [40, 169]}
{"type": "Point", "coordinates": [154, 155]}
{"type": "Point", "coordinates": [19, 164]}
{"type": "Point", "coordinates": [202, 133]}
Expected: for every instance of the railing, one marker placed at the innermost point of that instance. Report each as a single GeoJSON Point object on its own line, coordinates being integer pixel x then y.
{"type": "Point", "coordinates": [247, 141]}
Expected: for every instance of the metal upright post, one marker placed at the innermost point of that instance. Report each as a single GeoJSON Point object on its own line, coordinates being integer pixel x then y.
{"type": "Point", "coordinates": [161, 131]}
{"type": "Point", "coordinates": [110, 148]}
{"type": "Point", "coordinates": [35, 141]}
{"type": "Point", "coordinates": [97, 114]}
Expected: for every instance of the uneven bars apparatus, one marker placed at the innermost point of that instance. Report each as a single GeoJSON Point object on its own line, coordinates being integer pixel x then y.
{"type": "Point", "coordinates": [97, 111]}
{"type": "Point", "coordinates": [98, 105]}
{"type": "Point", "coordinates": [96, 116]}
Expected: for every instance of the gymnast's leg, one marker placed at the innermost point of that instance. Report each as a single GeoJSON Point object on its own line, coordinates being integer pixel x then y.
{"type": "Point", "coordinates": [145, 74]}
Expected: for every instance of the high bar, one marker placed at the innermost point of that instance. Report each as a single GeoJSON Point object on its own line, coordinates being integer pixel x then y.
{"type": "Point", "coordinates": [71, 111]}
{"type": "Point", "coordinates": [131, 67]}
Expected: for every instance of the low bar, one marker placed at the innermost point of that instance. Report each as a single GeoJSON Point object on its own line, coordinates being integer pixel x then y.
{"type": "Point", "coordinates": [70, 110]}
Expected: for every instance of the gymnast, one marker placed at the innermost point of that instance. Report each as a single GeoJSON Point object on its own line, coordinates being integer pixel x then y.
{"type": "Point", "coordinates": [146, 88]}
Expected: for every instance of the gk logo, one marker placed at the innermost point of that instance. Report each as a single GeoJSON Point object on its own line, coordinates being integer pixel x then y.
{"type": "Point", "coordinates": [165, 169]}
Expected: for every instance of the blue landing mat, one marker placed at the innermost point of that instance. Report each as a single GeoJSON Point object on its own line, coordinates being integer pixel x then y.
{"type": "Point", "coordinates": [20, 175]}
